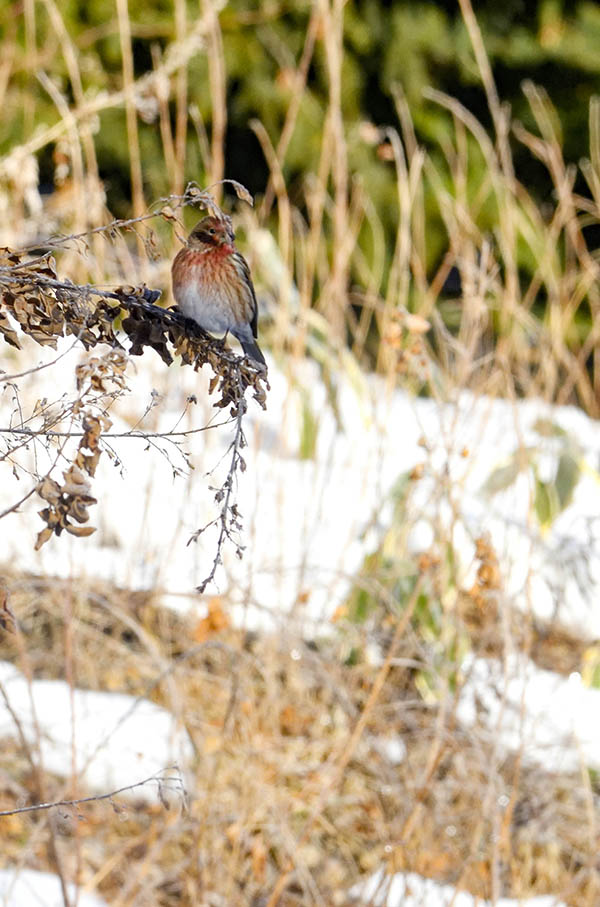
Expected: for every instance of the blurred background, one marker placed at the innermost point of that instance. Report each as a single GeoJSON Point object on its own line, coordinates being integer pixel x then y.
{"type": "Point", "coordinates": [390, 692]}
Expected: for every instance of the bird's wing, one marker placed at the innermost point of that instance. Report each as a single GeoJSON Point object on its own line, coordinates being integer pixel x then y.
{"type": "Point", "coordinates": [244, 269]}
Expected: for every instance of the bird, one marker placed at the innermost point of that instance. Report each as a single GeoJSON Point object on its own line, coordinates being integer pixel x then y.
{"type": "Point", "coordinates": [212, 285]}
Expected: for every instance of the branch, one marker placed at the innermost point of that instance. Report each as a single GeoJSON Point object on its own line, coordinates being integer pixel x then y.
{"type": "Point", "coordinates": [126, 319]}
{"type": "Point", "coordinates": [229, 517]}
{"type": "Point", "coordinates": [47, 308]}
{"type": "Point", "coordinates": [193, 195]}
{"type": "Point", "coordinates": [158, 777]}
{"type": "Point", "coordinates": [131, 434]}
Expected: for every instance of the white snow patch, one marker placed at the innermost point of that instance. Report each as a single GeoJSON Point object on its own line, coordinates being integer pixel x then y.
{"type": "Point", "coordinates": [393, 749]}
{"type": "Point", "coordinates": [308, 524]}
{"type": "Point", "coordinates": [118, 740]}
{"type": "Point", "coordinates": [30, 888]}
{"type": "Point", "coordinates": [412, 890]}
{"type": "Point", "coordinates": [552, 719]}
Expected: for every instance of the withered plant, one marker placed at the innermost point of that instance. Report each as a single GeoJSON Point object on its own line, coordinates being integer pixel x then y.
{"type": "Point", "coordinates": [120, 322]}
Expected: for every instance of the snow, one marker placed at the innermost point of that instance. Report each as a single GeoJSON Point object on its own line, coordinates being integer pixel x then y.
{"type": "Point", "coordinates": [552, 719]}
{"type": "Point", "coordinates": [29, 888]}
{"type": "Point", "coordinates": [393, 749]}
{"type": "Point", "coordinates": [305, 520]}
{"type": "Point", "coordinates": [411, 890]}
{"type": "Point", "coordinates": [118, 740]}
{"type": "Point", "coordinates": [308, 524]}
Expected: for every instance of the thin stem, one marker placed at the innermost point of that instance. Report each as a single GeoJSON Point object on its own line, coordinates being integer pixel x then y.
{"type": "Point", "coordinates": [96, 798]}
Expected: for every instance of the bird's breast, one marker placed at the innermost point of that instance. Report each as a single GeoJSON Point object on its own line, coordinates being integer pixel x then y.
{"type": "Point", "coordinates": [206, 290]}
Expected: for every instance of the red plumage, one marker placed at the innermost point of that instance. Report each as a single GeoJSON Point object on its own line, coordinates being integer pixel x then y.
{"type": "Point", "coordinates": [212, 285]}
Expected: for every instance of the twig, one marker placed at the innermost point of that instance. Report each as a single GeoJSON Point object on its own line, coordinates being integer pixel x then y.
{"type": "Point", "coordinates": [15, 506]}
{"type": "Point", "coordinates": [192, 195]}
{"type": "Point", "coordinates": [37, 368]}
{"type": "Point", "coordinates": [135, 434]}
{"type": "Point", "coordinates": [97, 797]}
{"type": "Point", "coordinates": [47, 308]}
{"type": "Point", "coordinates": [229, 516]}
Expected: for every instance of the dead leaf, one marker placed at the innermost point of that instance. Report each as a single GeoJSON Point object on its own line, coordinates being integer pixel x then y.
{"type": "Point", "coordinates": [215, 621]}
{"type": "Point", "coordinates": [80, 531]}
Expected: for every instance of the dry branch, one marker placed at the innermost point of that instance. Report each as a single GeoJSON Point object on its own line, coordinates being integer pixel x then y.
{"type": "Point", "coordinates": [127, 320]}
{"type": "Point", "coordinates": [162, 779]}
{"type": "Point", "coordinates": [47, 308]}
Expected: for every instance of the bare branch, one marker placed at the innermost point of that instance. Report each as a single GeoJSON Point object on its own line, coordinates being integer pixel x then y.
{"type": "Point", "coordinates": [127, 320]}
{"type": "Point", "coordinates": [14, 507]}
{"type": "Point", "coordinates": [160, 778]}
{"type": "Point", "coordinates": [131, 434]}
{"type": "Point", "coordinates": [47, 308]}
{"type": "Point", "coordinates": [229, 516]}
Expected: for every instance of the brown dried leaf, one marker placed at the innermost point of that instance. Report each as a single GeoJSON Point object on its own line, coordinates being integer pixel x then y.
{"type": "Point", "coordinates": [51, 516]}
{"type": "Point", "coordinates": [42, 538]}
{"type": "Point", "coordinates": [49, 490]}
{"type": "Point", "coordinates": [216, 620]}
{"type": "Point", "coordinates": [75, 482]}
{"type": "Point", "coordinates": [241, 192]}
{"type": "Point", "coordinates": [80, 531]}
{"type": "Point", "coordinates": [79, 511]}
{"type": "Point", "coordinates": [42, 338]}
{"type": "Point", "coordinates": [9, 335]}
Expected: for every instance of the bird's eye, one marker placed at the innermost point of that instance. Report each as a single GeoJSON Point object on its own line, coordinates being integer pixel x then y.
{"type": "Point", "coordinates": [211, 230]}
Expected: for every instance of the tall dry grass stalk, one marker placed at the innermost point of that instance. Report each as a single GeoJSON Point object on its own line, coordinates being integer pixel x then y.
{"type": "Point", "coordinates": [499, 337]}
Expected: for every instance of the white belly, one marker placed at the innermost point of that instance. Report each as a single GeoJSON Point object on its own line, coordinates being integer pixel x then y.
{"type": "Point", "coordinates": [206, 307]}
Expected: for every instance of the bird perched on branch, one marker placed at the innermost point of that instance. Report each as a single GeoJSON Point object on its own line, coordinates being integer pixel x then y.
{"type": "Point", "coordinates": [212, 285]}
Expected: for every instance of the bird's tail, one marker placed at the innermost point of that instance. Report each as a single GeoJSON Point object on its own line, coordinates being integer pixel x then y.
{"type": "Point", "coordinates": [252, 350]}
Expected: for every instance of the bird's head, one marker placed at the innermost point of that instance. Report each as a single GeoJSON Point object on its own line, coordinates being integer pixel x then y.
{"type": "Point", "coordinates": [212, 232]}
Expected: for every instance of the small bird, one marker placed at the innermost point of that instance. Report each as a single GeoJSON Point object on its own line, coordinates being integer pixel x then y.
{"type": "Point", "coordinates": [212, 285]}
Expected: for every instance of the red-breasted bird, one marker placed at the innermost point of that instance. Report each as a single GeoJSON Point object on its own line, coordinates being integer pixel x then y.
{"type": "Point", "coordinates": [212, 285]}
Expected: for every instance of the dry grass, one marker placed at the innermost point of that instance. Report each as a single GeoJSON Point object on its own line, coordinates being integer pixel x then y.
{"type": "Point", "coordinates": [292, 799]}
{"type": "Point", "coordinates": [291, 778]}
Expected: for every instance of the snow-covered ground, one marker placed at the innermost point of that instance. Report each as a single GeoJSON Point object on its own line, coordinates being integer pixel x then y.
{"type": "Point", "coordinates": [309, 523]}
{"type": "Point", "coordinates": [104, 740]}
{"type": "Point", "coordinates": [410, 890]}
{"type": "Point", "coordinates": [552, 720]}
{"type": "Point", "coordinates": [29, 888]}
